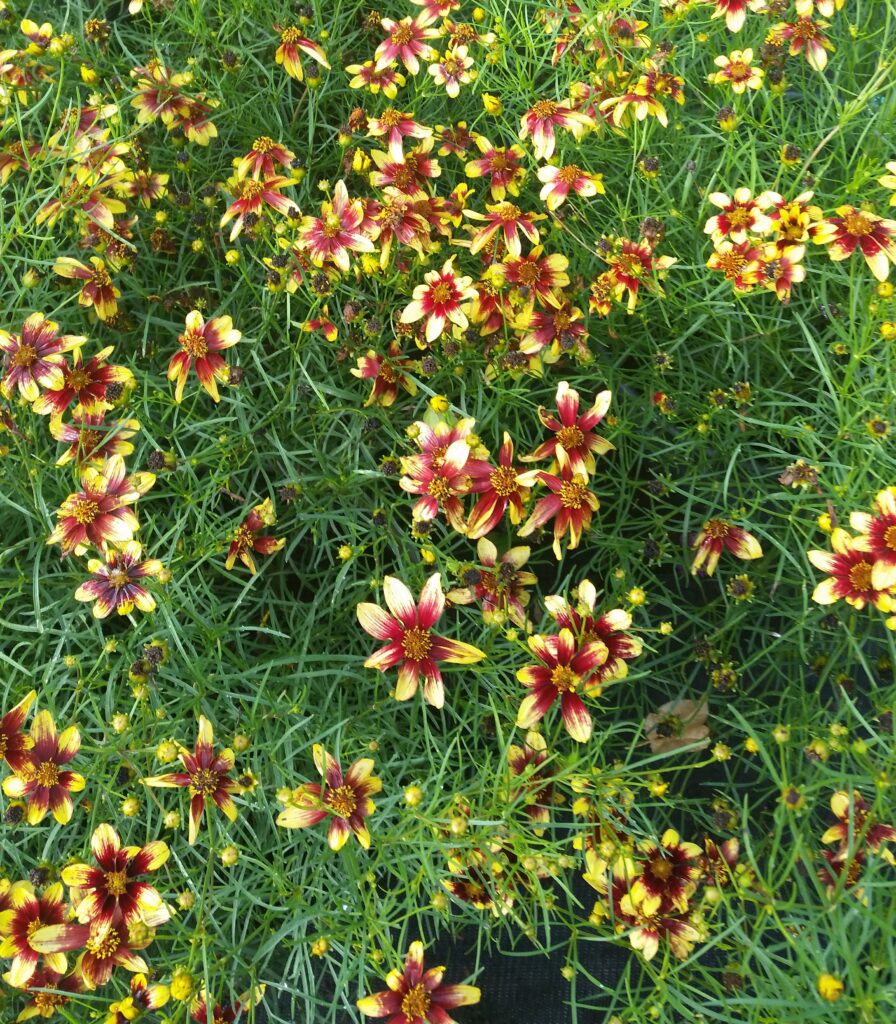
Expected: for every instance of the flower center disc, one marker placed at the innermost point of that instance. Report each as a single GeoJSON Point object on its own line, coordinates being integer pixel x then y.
{"type": "Point", "coordinates": [563, 677]}
{"type": "Point", "coordinates": [416, 1003]}
{"type": "Point", "coordinates": [860, 576]}
{"type": "Point", "coordinates": [342, 801]}
{"type": "Point", "coordinates": [116, 883]}
{"type": "Point", "coordinates": [416, 643]}
{"type": "Point", "coordinates": [47, 774]}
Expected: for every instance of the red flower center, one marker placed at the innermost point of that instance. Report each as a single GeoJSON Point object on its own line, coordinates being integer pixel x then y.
{"type": "Point", "coordinates": [106, 946]}
{"type": "Point", "coordinates": [570, 437]}
{"type": "Point", "coordinates": [416, 1003]}
{"type": "Point", "coordinates": [47, 774]}
{"type": "Point", "coordinates": [193, 343]}
{"type": "Point", "coordinates": [25, 357]}
{"type": "Point", "coordinates": [860, 576]}
{"type": "Point", "coordinates": [416, 643]}
{"type": "Point", "coordinates": [563, 677]}
{"type": "Point", "coordinates": [572, 494]}
{"type": "Point", "coordinates": [342, 801]}
{"type": "Point", "coordinates": [503, 480]}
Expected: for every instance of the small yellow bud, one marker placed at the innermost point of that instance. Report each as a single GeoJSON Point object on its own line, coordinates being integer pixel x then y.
{"type": "Point", "coordinates": [829, 987]}
{"type": "Point", "coordinates": [172, 819]}
{"type": "Point", "coordinates": [824, 522]}
{"type": "Point", "coordinates": [345, 552]}
{"type": "Point", "coordinates": [197, 245]}
{"type": "Point", "coordinates": [413, 796]}
{"type": "Point", "coordinates": [229, 856]}
{"type": "Point", "coordinates": [886, 289]}
{"type": "Point", "coordinates": [888, 330]}
{"type": "Point", "coordinates": [241, 743]}
{"type": "Point", "coordinates": [492, 104]}
{"type": "Point", "coordinates": [458, 826]}
{"type": "Point", "coordinates": [120, 722]}
{"type": "Point", "coordinates": [428, 555]}
{"type": "Point", "coordinates": [166, 751]}
{"type": "Point", "coordinates": [130, 807]}
{"type": "Point", "coordinates": [666, 628]}
{"type": "Point", "coordinates": [751, 746]}
{"type": "Point", "coordinates": [182, 984]}
{"type": "Point", "coordinates": [478, 15]}
{"type": "Point", "coordinates": [232, 256]}
{"type": "Point", "coordinates": [636, 596]}
{"type": "Point", "coordinates": [781, 733]}
{"type": "Point", "coordinates": [439, 403]}
{"type": "Point", "coordinates": [439, 901]}
{"type": "Point", "coordinates": [89, 75]}
{"type": "Point", "coordinates": [320, 947]}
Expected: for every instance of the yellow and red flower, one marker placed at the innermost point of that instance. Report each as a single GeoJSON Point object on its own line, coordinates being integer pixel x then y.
{"type": "Point", "coordinates": [879, 531]}
{"type": "Point", "coordinates": [292, 45]}
{"type": "Point", "coordinates": [792, 219]}
{"type": "Point", "coordinates": [889, 181]}
{"type": "Point", "coordinates": [26, 914]}
{"type": "Point", "coordinates": [500, 490]}
{"type": "Point", "coordinates": [563, 329]}
{"type": "Point", "coordinates": [14, 744]}
{"type": "Point", "coordinates": [415, 996]}
{"type": "Point", "coordinates": [367, 77]}
{"type": "Point", "coordinates": [452, 70]}
{"type": "Point", "coordinates": [396, 126]}
{"type": "Point", "coordinates": [344, 799]}
{"type": "Point", "coordinates": [114, 888]}
{"type": "Point", "coordinates": [668, 876]}
{"type": "Point", "coordinates": [851, 579]}
{"type": "Point", "coordinates": [387, 374]}
{"type": "Point", "coordinates": [99, 513]}
{"type": "Point", "coordinates": [206, 777]}
{"type": "Point", "coordinates": [527, 763]}
{"type": "Point", "coordinates": [406, 41]}
{"type": "Point", "coordinates": [504, 222]}
{"type": "Point", "coordinates": [42, 781]}
{"type": "Point", "coordinates": [410, 176]}
{"type": "Point", "coordinates": [500, 584]}
{"type": "Point", "coordinates": [736, 69]}
{"type": "Point", "coordinates": [782, 269]}
{"type": "Point", "coordinates": [143, 997]}
{"type": "Point", "coordinates": [103, 951]}
{"type": "Point", "coordinates": [718, 535]}
{"type": "Point", "coordinates": [49, 991]}
{"type": "Point", "coordinates": [537, 278]}
{"type": "Point", "coordinates": [541, 120]}
{"type": "Point", "coordinates": [252, 196]}
{"type": "Point", "coordinates": [739, 262]}
{"type": "Point", "coordinates": [330, 237]}
{"type": "Point", "coordinates": [202, 341]}
{"type": "Point", "coordinates": [411, 644]}
{"type": "Point", "coordinates": [853, 228]}
{"type": "Point", "coordinates": [633, 265]}
{"type": "Point", "coordinates": [443, 298]}
{"type": "Point", "coordinates": [856, 826]}
{"type": "Point", "coordinates": [97, 291]}
{"type": "Point", "coordinates": [90, 439]}
{"type": "Point", "coordinates": [735, 11]}
{"type": "Point", "coordinates": [116, 583]}
{"type": "Point", "coordinates": [574, 442]}
{"type": "Point", "coordinates": [741, 215]}
{"type": "Point", "coordinates": [565, 668]}
{"type": "Point", "coordinates": [501, 165]}
{"type": "Point", "coordinates": [82, 384]}
{"type": "Point", "coordinates": [262, 159]}
{"type": "Point", "coordinates": [570, 504]}
{"type": "Point", "coordinates": [247, 539]}
{"type": "Point", "coordinates": [807, 37]}
{"type": "Point", "coordinates": [202, 1012]}
{"type": "Point", "coordinates": [34, 358]}
{"type": "Point", "coordinates": [558, 182]}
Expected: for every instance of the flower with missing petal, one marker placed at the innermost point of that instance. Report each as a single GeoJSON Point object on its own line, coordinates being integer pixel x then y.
{"type": "Point", "coordinates": [48, 991]}
{"type": "Point", "coordinates": [740, 215]}
{"type": "Point", "coordinates": [500, 584]}
{"type": "Point", "coordinates": [206, 776]}
{"type": "Point", "coordinates": [83, 384]}
{"type": "Point", "coordinates": [201, 343]}
{"type": "Point", "coordinates": [395, 126]}
{"type": "Point", "coordinates": [570, 504]}
{"type": "Point", "coordinates": [852, 229]}
{"type": "Point", "coordinates": [500, 491]}
{"type": "Point", "coordinates": [558, 182]}
{"type": "Point", "coordinates": [34, 358]}
{"type": "Point", "coordinates": [504, 222]}
{"type": "Point", "coordinates": [263, 158]}
{"type": "Point", "coordinates": [14, 744]}
{"type": "Point", "coordinates": [344, 799]}
{"type": "Point", "coordinates": [668, 874]}
{"type": "Point", "coordinates": [415, 996]}
{"type": "Point", "coordinates": [718, 535]}
{"type": "Point", "coordinates": [103, 950]}
{"type": "Point", "coordinates": [114, 886]}
{"type": "Point", "coordinates": [252, 196]}
{"type": "Point", "coordinates": [143, 996]}
{"type": "Point", "coordinates": [411, 644]}
{"type": "Point", "coordinates": [574, 442]}
{"type": "Point", "coordinates": [90, 439]}
{"type": "Point", "coordinates": [541, 120]}
{"type": "Point", "coordinates": [292, 44]}
{"type": "Point", "coordinates": [807, 37]}
{"type": "Point", "coordinates": [43, 782]}
{"type": "Point", "coordinates": [246, 540]}
{"type": "Point", "coordinates": [97, 290]}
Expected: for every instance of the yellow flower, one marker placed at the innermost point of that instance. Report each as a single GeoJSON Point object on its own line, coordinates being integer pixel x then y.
{"type": "Point", "coordinates": [829, 987]}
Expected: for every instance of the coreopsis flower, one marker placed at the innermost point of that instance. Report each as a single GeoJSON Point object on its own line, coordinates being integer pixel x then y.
{"type": "Point", "coordinates": [205, 1009]}
{"type": "Point", "coordinates": [633, 266]}
{"type": "Point", "coordinates": [851, 568]}
{"type": "Point", "coordinates": [565, 669]}
{"type": "Point", "coordinates": [500, 492]}
{"type": "Point", "coordinates": [574, 442]}
{"type": "Point", "coordinates": [879, 532]}
{"type": "Point", "coordinates": [586, 625]}
{"type": "Point", "coordinates": [482, 880]}
{"type": "Point", "coordinates": [82, 383]}
{"type": "Point", "coordinates": [563, 329]}
{"type": "Point", "coordinates": [527, 763]}
{"type": "Point", "coordinates": [739, 262]}
{"type": "Point", "coordinates": [366, 76]}
{"type": "Point", "coordinates": [718, 535]}
{"type": "Point", "coordinates": [570, 504]}
{"type": "Point", "coordinates": [97, 291]}
{"type": "Point", "coordinates": [344, 799]}
{"type": "Point", "coordinates": [90, 439]}
{"type": "Point", "coordinates": [103, 950]}
{"type": "Point", "coordinates": [792, 220]}
{"type": "Point", "coordinates": [14, 744]}
{"type": "Point", "coordinates": [782, 269]}
{"type": "Point", "coordinates": [43, 782]}
{"type": "Point", "coordinates": [48, 991]}
{"type": "Point", "coordinates": [114, 887]}
{"type": "Point", "coordinates": [415, 996]}
{"type": "Point", "coordinates": [668, 876]}
{"type": "Point", "coordinates": [506, 222]}
{"type": "Point", "coordinates": [397, 218]}
{"type": "Point", "coordinates": [292, 44]}
{"type": "Point", "coordinates": [246, 540]}
{"type": "Point", "coordinates": [889, 181]}
{"type": "Point", "coordinates": [99, 513]}
{"type": "Point", "coordinates": [807, 37]}
{"type": "Point", "coordinates": [537, 278]}
{"type": "Point", "coordinates": [262, 159]}
{"type": "Point", "coordinates": [322, 323]}
{"type": "Point", "coordinates": [500, 584]}
{"type": "Point", "coordinates": [411, 644]}
{"type": "Point", "coordinates": [206, 776]}
{"type": "Point", "coordinates": [736, 70]}
{"type": "Point", "coordinates": [144, 185]}
{"type": "Point", "coordinates": [252, 196]}
{"type": "Point", "coordinates": [452, 70]}
{"type": "Point", "coordinates": [143, 996]}
{"type": "Point", "coordinates": [677, 725]}
{"type": "Point", "coordinates": [27, 914]}
{"type": "Point", "coordinates": [34, 358]}
{"type": "Point", "coordinates": [202, 341]}
{"type": "Point", "coordinates": [741, 215]}
{"type": "Point", "coordinates": [116, 581]}
{"type": "Point", "coordinates": [541, 120]}
{"type": "Point", "coordinates": [406, 41]}
{"type": "Point", "coordinates": [856, 827]}
{"type": "Point", "coordinates": [501, 165]}
{"type": "Point", "coordinates": [387, 374]}
{"type": "Point", "coordinates": [558, 182]}
{"type": "Point", "coordinates": [735, 11]}
{"type": "Point", "coordinates": [440, 482]}
{"type": "Point", "coordinates": [443, 298]}
{"type": "Point", "coordinates": [853, 228]}
{"type": "Point", "coordinates": [330, 237]}
{"type": "Point", "coordinates": [395, 126]}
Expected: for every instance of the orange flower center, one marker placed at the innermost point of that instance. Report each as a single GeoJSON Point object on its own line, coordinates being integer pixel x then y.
{"type": "Point", "coordinates": [805, 28]}
{"type": "Point", "coordinates": [193, 343]}
{"type": "Point", "coordinates": [544, 109]}
{"type": "Point", "coordinates": [250, 188]}
{"type": "Point", "coordinates": [738, 71]}
{"type": "Point", "coordinates": [106, 946]}
{"type": "Point", "coordinates": [100, 278]}
{"type": "Point", "coordinates": [116, 883]}
{"type": "Point", "coordinates": [118, 578]}
{"type": "Point", "coordinates": [84, 511]}
{"type": "Point", "coordinates": [452, 66]}
{"type": "Point", "coordinates": [390, 119]}
{"type": "Point", "coordinates": [439, 488]}
{"type": "Point", "coordinates": [34, 925]}
{"type": "Point", "coordinates": [402, 35]}
{"type": "Point", "coordinates": [529, 273]}
{"type": "Point", "coordinates": [416, 643]}
{"type": "Point", "coordinates": [46, 1002]}
{"type": "Point", "coordinates": [203, 782]}
{"type": "Point", "coordinates": [290, 36]}
{"type": "Point", "coordinates": [47, 774]}
{"type": "Point", "coordinates": [26, 356]}
{"type": "Point", "coordinates": [731, 263]}
{"type": "Point", "coordinates": [499, 162]}
{"type": "Point", "coordinates": [860, 576]}
{"type": "Point", "coordinates": [563, 677]}
{"type": "Point", "coordinates": [416, 1002]}
{"type": "Point", "coordinates": [263, 144]}
{"type": "Point", "coordinates": [342, 801]}
{"type": "Point", "coordinates": [890, 537]}
{"type": "Point", "coordinates": [858, 224]}
{"type": "Point", "coordinates": [508, 212]}
{"type": "Point", "coordinates": [570, 174]}
{"type": "Point", "coordinates": [387, 374]}
{"type": "Point", "coordinates": [503, 480]}
{"type": "Point", "coordinates": [77, 379]}
{"type": "Point", "coordinates": [716, 528]}
{"type": "Point", "coordinates": [740, 217]}
{"type": "Point", "coordinates": [572, 494]}
{"type": "Point", "coordinates": [441, 292]}
{"type": "Point", "coordinates": [569, 437]}
{"type": "Point", "coordinates": [403, 176]}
